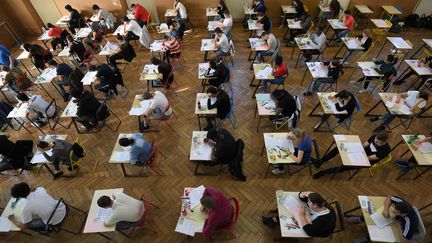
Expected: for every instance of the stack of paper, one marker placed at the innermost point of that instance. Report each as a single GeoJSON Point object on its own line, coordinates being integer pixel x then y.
{"type": "Point", "coordinates": [103, 214]}
{"type": "Point", "coordinates": [195, 195]}
{"type": "Point", "coordinates": [291, 202]}
{"type": "Point", "coordinates": [267, 71]}
{"type": "Point", "coordinates": [353, 43]}
{"type": "Point", "coordinates": [121, 156]}
{"type": "Point", "coordinates": [339, 137]}
{"type": "Point", "coordinates": [354, 147]}
{"type": "Point", "coordinates": [39, 158]}
{"type": "Point", "coordinates": [381, 235]}
{"type": "Point", "coordinates": [186, 226]}
{"type": "Point", "coordinates": [425, 148]}
{"type": "Point", "coordinates": [285, 143]}
{"type": "Point", "coordinates": [47, 75]}
{"type": "Point", "coordinates": [156, 46]}
{"type": "Point", "coordinates": [357, 158]}
{"type": "Point", "coordinates": [89, 77]}
{"type": "Point", "coordinates": [5, 224]}
{"type": "Point", "coordinates": [379, 219]}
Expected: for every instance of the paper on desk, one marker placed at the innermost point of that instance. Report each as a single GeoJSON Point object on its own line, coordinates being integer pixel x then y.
{"type": "Point", "coordinates": [339, 137]}
{"type": "Point", "coordinates": [381, 234]}
{"type": "Point", "coordinates": [103, 214]}
{"type": "Point", "coordinates": [363, 201]}
{"type": "Point", "coordinates": [285, 143]}
{"type": "Point", "coordinates": [354, 147]}
{"type": "Point", "coordinates": [5, 224]}
{"type": "Point", "coordinates": [195, 195]}
{"type": "Point", "coordinates": [111, 46]}
{"type": "Point", "coordinates": [40, 158]}
{"type": "Point", "coordinates": [122, 156]}
{"type": "Point", "coordinates": [47, 74]}
{"type": "Point", "coordinates": [88, 78]}
{"type": "Point", "coordinates": [204, 101]}
{"type": "Point", "coordinates": [267, 71]}
{"type": "Point", "coordinates": [357, 158]}
{"type": "Point", "coordinates": [186, 226]}
{"type": "Point", "coordinates": [290, 203]}
{"type": "Point", "coordinates": [379, 219]}
{"type": "Point", "coordinates": [353, 43]}
{"type": "Point", "coordinates": [141, 108]}
{"type": "Point", "coordinates": [425, 148]}
{"type": "Point", "coordinates": [404, 109]}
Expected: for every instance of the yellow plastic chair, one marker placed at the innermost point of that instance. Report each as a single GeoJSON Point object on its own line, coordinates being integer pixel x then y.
{"type": "Point", "coordinates": [309, 30]}
{"type": "Point", "coordinates": [380, 163]}
{"type": "Point", "coordinates": [364, 56]}
{"type": "Point", "coordinates": [76, 163]}
{"type": "Point", "coordinates": [306, 9]}
{"type": "Point", "coordinates": [381, 33]}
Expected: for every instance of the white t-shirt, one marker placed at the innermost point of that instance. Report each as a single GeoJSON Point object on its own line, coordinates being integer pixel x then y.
{"type": "Point", "coordinates": [134, 27]}
{"type": "Point", "coordinates": [227, 25]}
{"type": "Point", "coordinates": [182, 10]}
{"type": "Point", "coordinates": [160, 101]}
{"type": "Point", "coordinates": [125, 208]}
{"type": "Point", "coordinates": [40, 204]}
{"type": "Point", "coordinates": [271, 41]}
{"type": "Point", "coordinates": [37, 103]}
{"type": "Point", "coordinates": [223, 43]}
{"type": "Point", "coordinates": [412, 98]}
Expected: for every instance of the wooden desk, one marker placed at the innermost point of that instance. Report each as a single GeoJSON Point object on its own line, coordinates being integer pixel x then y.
{"type": "Point", "coordinates": [368, 70]}
{"type": "Point", "coordinates": [288, 9]}
{"type": "Point", "coordinates": [71, 112]}
{"type": "Point", "coordinates": [265, 106]}
{"type": "Point", "coordinates": [352, 44]}
{"type": "Point", "coordinates": [38, 157]}
{"type": "Point", "coordinates": [24, 55]}
{"type": "Point", "coordinates": [211, 26]}
{"type": "Point", "coordinates": [202, 70]}
{"type": "Point", "coordinates": [89, 79]}
{"type": "Point", "coordinates": [400, 45]}
{"type": "Point", "coordinates": [82, 33]}
{"type": "Point", "coordinates": [427, 43]}
{"type": "Point", "coordinates": [390, 11]}
{"type": "Point", "coordinates": [63, 21]}
{"type": "Point", "coordinates": [256, 44]}
{"type": "Point", "coordinates": [46, 77]}
{"type": "Point", "coordinates": [206, 46]}
{"type": "Point", "coordinates": [45, 38]}
{"type": "Point", "coordinates": [203, 111]}
{"type": "Point", "coordinates": [317, 70]}
{"type": "Point", "coordinates": [194, 214]}
{"type": "Point", "coordinates": [139, 108]}
{"type": "Point", "coordinates": [64, 54]}
{"type": "Point", "coordinates": [248, 13]}
{"type": "Point", "coordinates": [170, 13]}
{"type": "Point", "coordinates": [9, 210]}
{"type": "Point", "coordinates": [162, 29]}
{"type": "Point", "coordinates": [252, 26]}
{"type": "Point", "coordinates": [362, 14]}
{"type": "Point", "coordinates": [200, 152]}
{"type": "Point", "coordinates": [157, 47]}
{"type": "Point", "coordinates": [278, 147]}
{"type": "Point", "coordinates": [261, 72]}
{"type": "Point", "coordinates": [119, 30]}
{"type": "Point", "coordinates": [108, 50]}
{"type": "Point", "coordinates": [149, 73]}
{"type": "Point", "coordinates": [420, 70]}
{"type": "Point", "coordinates": [336, 26]}
{"type": "Point", "coordinates": [363, 9]}
{"type": "Point", "coordinates": [286, 218]}
{"type": "Point", "coordinates": [21, 112]}
{"type": "Point", "coordinates": [211, 12]}
{"type": "Point", "coordinates": [93, 225]}
{"type": "Point", "coordinates": [328, 106]}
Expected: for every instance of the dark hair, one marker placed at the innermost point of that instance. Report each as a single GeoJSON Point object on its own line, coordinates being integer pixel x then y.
{"type": "Point", "coordinates": [104, 201]}
{"type": "Point", "coordinates": [218, 30]}
{"type": "Point", "coordinates": [49, 25]}
{"type": "Point", "coordinates": [155, 61]}
{"type": "Point", "coordinates": [68, 7]}
{"type": "Point", "coordinates": [126, 19]}
{"type": "Point", "coordinates": [344, 94]}
{"type": "Point", "coordinates": [119, 37]}
{"type": "Point", "coordinates": [424, 95]}
{"type": "Point", "coordinates": [212, 133]}
{"type": "Point", "coordinates": [20, 190]}
{"type": "Point", "coordinates": [320, 28]}
{"type": "Point", "coordinates": [278, 93]}
{"type": "Point", "coordinates": [208, 202]}
{"type": "Point", "coordinates": [147, 95]}
{"type": "Point", "coordinates": [403, 207]}
{"type": "Point", "coordinates": [22, 97]}
{"type": "Point", "coordinates": [27, 46]}
{"type": "Point", "coordinates": [382, 136]}
{"type": "Point", "coordinates": [260, 14]}
{"type": "Point", "coordinates": [95, 27]}
{"type": "Point", "coordinates": [390, 58]}
{"type": "Point", "coordinates": [69, 38]}
{"type": "Point", "coordinates": [124, 142]}
{"type": "Point", "coordinates": [52, 62]}
{"type": "Point", "coordinates": [212, 90]}
{"type": "Point", "coordinates": [278, 60]}
{"type": "Point", "coordinates": [316, 198]}
{"type": "Point", "coordinates": [76, 93]}
{"type": "Point", "coordinates": [95, 7]}
{"type": "Point", "coordinates": [347, 11]}
{"type": "Point", "coordinates": [133, 5]}
{"type": "Point", "coordinates": [227, 12]}
{"type": "Point", "coordinates": [213, 64]}
{"type": "Point", "coordinates": [42, 144]}
{"type": "Point", "coordinates": [335, 63]}
{"type": "Point", "coordinates": [265, 33]}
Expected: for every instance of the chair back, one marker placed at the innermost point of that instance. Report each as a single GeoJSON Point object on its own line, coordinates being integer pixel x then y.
{"type": "Point", "coordinates": [316, 149]}
{"type": "Point", "coordinates": [228, 76]}
{"type": "Point", "coordinates": [59, 202]}
{"type": "Point", "coordinates": [340, 224]}
{"type": "Point", "coordinates": [418, 236]}
{"type": "Point", "coordinates": [51, 105]}
{"type": "Point", "coordinates": [236, 212]}
{"type": "Point", "coordinates": [146, 207]}
{"type": "Point", "coordinates": [310, 29]}
{"type": "Point", "coordinates": [357, 105]}
{"type": "Point", "coordinates": [277, 51]}
{"type": "Point", "coordinates": [102, 112]}
{"type": "Point", "coordinates": [390, 24]}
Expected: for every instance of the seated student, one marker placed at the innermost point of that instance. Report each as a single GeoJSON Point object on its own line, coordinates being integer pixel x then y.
{"type": "Point", "coordinates": [221, 43]}
{"type": "Point", "coordinates": [6, 58]}
{"type": "Point", "coordinates": [125, 51]}
{"type": "Point", "coordinates": [96, 36]}
{"type": "Point", "coordinates": [37, 104]}
{"type": "Point", "coordinates": [126, 210]}
{"type": "Point", "coordinates": [76, 49]}
{"type": "Point", "coordinates": [11, 77]}
{"type": "Point", "coordinates": [305, 23]}
{"type": "Point", "coordinates": [131, 29]}
{"type": "Point", "coordinates": [333, 74]}
{"type": "Point", "coordinates": [285, 104]}
{"type": "Point", "coordinates": [318, 221]}
{"type": "Point", "coordinates": [60, 150]}
{"type": "Point", "coordinates": [226, 24]}
{"type": "Point", "coordinates": [15, 155]}
{"type": "Point", "coordinates": [104, 18]}
{"type": "Point", "coordinates": [376, 148]}
{"type": "Point", "coordinates": [344, 101]}
{"type": "Point", "coordinates": [172, 47]}
{"type": "Point", "coordinates": [258, 5]}
{"type": "Point", "coordinates": [265, 20]}
{"type": "Point", "coordinates": [63, 72]}
{"type": "Point", "coordinates": [335, 9]}
{"type": "Point", "coordinates": [38, 54]}
{"type": "Point", "coordinates": [299, 7]}
{"type": "Point", "coordinates": [74, 19]}
{"type": "Point", "coordinates": [222, 104]}
{"type": "Point", "coordinates": [36, 209]}
{"type": "Point", "coordinates": [348, 21]}
{"type": "Point", "coordinates": [280, 72]}
{"type": "Point", "coordinates": [141, 15]}
{"type": "Point", "coordinates": [219, 74]}
{"type": "Point", "coordinates": [219, 211]}
{"type": "Point", "coordinates": [365, 42]}
{"type": "Point", "coordinates": [88, 106]}
{"type": "Point", "coordinates": [302, 149]}
{"type": "Point", "coordinates": [319, 40]}
{"type": "Point", "coordinates": [223, 144]}
{"type": "Point", "coordinates": [221, 10]}
{"type": "Point", "coordinates": [107, 82]}
{"type": "Point", "coordinates": [164, 74]}
{"type": "Point", "coordinates": [384, 67]}
{"type": "Point", "coordinates": [415, 100]}
{"type": "Point", "coordinates": [173, 27]}
{"type": "Point", "coordinates": [424, 62]}
{"type": "Point", "coordinates": [140, 149]}
{"type": "Point", "coordinates": [159, 108]}
{"type": "Point", "coordinates": [270, 48]}
{"type": "Point", "coordinates": [5, 122]}
{"type": "Point", "coordinates": [405, 164]}
{"type": "Point", "coordinates": [181, 11]}
{"type": "Point", "coordinates": [56, 33]}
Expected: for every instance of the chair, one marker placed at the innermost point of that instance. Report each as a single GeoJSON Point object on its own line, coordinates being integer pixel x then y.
{"type": "Point", "coordinates": [179, 57]}
{"type": "Point", "coordinates": [169, 86]}
{"type": "Point", "coordinates": [364, 56]}
{"type": "Point", "coordinates": [309, 30]}
{"type": "Point", "coordinates": [380, 33]}
{"type": "Point", "coordinates": [291, 121]}
{"type": "Point", "coordinates": [230, 52]}
{"type": "Point", "coordinates": [340, 224]}
{"type": "Point", "coordinates": [150, 24]}
{"type": "Point", "coordinates": [419, 236]}
{"type": "Point", "coordinates": [380, 163]}
{"type": "Point", "coordinates": [90, 57]}
{"type": "Point", "coordinates": [124, 64]}
{"type": "Point", "coordinates": [56, 117]}
{"type": "Point", "coordinates": [235, 204]}
{"type": "Point", "coordinates": [59, 226]}
{"type": "Point", "coordinates": [307, 164]}
{"type": "Point", "coordinates": [230, 115]}
{"type": "Point", "coordinates": [283, 83]}
{"type": "Point", "coordinates": [102, 114]}
{"type": "Point", "coordinates": [228, 78]}
{"type": "Point", "coordinates": [79, 153]}
{"type": "Point", "coordinates": [348, 120]}
{"type": "Point", "coordinates": [151, 163]}
{"type": "Point", "coordinates": [166, 118]}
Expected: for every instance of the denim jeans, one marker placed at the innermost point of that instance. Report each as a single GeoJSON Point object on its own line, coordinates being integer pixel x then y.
{"type": "Point", "coordinates": [37, 225]}
{"type": "Point", "coordinates": [342, 33]}
{"type": "Point", "coordinates": [277, 80]}
{"type": "Point", "coordinates": [262, 54]}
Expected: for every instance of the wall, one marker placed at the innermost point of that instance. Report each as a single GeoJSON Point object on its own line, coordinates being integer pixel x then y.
{"type": "Point", "coordinates": [424, 7]}
{"type": "Point", "coordinates": [114, 6]}
{"type": "Point", "coordinates": [47, 10]}
{"type": "Point", "coordinates": [406, 5]}
{"type": "Point", "coordinates": [149, 5]}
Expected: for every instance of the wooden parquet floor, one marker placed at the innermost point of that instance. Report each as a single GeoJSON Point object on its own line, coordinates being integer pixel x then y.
{"type": "Point", "coordinates": [256, 195]}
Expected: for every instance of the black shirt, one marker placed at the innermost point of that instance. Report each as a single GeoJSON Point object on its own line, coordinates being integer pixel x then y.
{"type": "Point", "coordinates": [77, 48]}
{"type": "Point", "coordinates": [221, 10]}
{"type": "Point", "coordinates": [222, 104]}
{"type": "Point", "coordinates": [219, 75]}
{"type": "Point", "coordinates": [266, 21]}
{"type": "Point", "coordinates": [127, 51]}
{"type": "Point", "coordinates": [380, 151]}
{"type": "Point", "coordinates": [323, 225]}
{"type": "Point", "coordinates": [74, 18]}
{"type": "Point", "coordinates": [288, 104]}
{"type": "Point", "coordinates": [385, 69]}
{"type": "Point", "coordinates": [225, 146]}
{"type": "Point", "coordinates": [64, 69]}
{"type": "Point", "coordinates": [87, 105]}
{"type": "Point", "coordinates": [348, 107]}
{"type": "Point", "coordinates": [165, 69]}
{"type": "Point", "coordinates": [105, 74]}
{"type": "Point", "coordinates": [6, 145]}
{"type": "Point", "coordinates": [409, 223]}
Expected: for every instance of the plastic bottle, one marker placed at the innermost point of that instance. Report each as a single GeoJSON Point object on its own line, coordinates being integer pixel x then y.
{"type": "Point", "coordinates": [199, 105]}
{"type": "Point", "coordinates": [412, 139]}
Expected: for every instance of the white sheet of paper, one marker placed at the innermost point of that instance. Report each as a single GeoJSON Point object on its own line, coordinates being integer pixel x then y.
{"type": "Point", "coordinates": [39, 158]}
{"type": "Point", "coordinates": [88, 78]}
{"type": "Point", "coordinates": [339, 137]}
{"type": "Point", "coordinates": [265, 72]}
{"type": "Point", "coordinates": [425, 148]}
{"type": "Point", "coordinates": [404, 109]}
{"type": "Point", "coordinates": [195, 195]}
{"type": "Point", "coordinates": [186, 226]}
{"type": "Point", "coordinates": [284, 143]}
{"type": "Point", "coordinates": [290, 203]}
{"type": "Point", "coordinates": [103, 213]}
{"type": "Point", "coordinates": [363, 201]}
{"type": "Point", "coordinates": [381, 234]}
{"type": "Point", "coordinates": [122, 156]}
{"type": "Point", "coordinates": [380, 220]}
{"type": "Point", "coordinates": [204, 101]}
{"type": "Point", "coordinates": [136, 111]}
{"type": "Point", "coordinates": [5, 224]}
{"type": "Point", "coordinates": [389, 104]}
{"type": "Point", "coordinates": [357, 158]}
{"type": "Point", "coordinates": [354, 147]}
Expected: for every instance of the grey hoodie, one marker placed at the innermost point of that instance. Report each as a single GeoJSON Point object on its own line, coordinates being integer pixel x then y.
{"type": "Point", "coordinates": [60, 152]}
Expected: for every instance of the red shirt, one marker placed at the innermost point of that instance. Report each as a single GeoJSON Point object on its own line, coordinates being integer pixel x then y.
{"type": "Point", "coordinates": [55, 32]}
{"type": "Point", "coordinates": [141, 13]}
{"type": "Point", "coordinates": [350, 22]}
{"type": "Point", "coordinates": [172, 45]}
{"type": "Point", "coordinates": [221, 216]}
{"type": "Point", "coordinates": [281, 70]}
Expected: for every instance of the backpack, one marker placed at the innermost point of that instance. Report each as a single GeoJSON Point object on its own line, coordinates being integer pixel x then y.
{"type": "Point", "coordinates": [396, 28]}
{"type": "Point", "coordinates": [78, 150]}
{"type": "Point", "coordinates": [421, 23]}
{"type": "Point", "coordinates": [428, 22]}
{"type": "Point", "coordinates": [236, 165]}
{"type": "Point", "coordinates": [411, 20]}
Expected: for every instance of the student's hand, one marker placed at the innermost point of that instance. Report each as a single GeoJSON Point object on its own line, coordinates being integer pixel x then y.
{"type": "Point", "coordinates": [206, 140]}
{"type": "Point", "coordinates": [11, 217]}
{"type": "Point", "coordinates": [386, 213]}
{"type": "Point", "coordinates": [298, 210]}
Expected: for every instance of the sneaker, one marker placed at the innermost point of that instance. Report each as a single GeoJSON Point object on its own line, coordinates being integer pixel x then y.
{"type": "Point", "coordinates": [318, 175]}
{"type": "Point", "coordinates": [374, 119]}
{"type": "Point", "coordinates": [84, 128]}
{"type": "Point", "coordinates": [277, 172]}
{"type": "Point", "coordinates": [355, 219]}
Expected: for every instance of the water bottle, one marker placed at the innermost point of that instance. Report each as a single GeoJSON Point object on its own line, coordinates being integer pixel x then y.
{"type": "Point", "coordinates": [199, 105]}
{"type": "Point", "coordinates": [412, 139]}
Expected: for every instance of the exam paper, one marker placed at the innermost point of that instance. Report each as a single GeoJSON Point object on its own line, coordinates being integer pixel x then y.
{"type": "Point", "coordinates": [5, 224]}
{"type": "Point", "coordinates": [339, 137]}
{"type": "Point", "coordinates": [122, 156]}
{"type": "Point", "coordinates": [195, 195]}
{"type": "Point", "coordinates": [381, 234]}
{"type": "Point", "coordinates": [379, 219]}
{"type": "Point", "coordinates": [425, 148]}
{"type": "Point", "coordinates": [285, 143]}
{"type": "Point", "coordinates": [88, 78]}
{"type": "Point", "coordinates": [39, 158]}
{"type": "Point", "coordinates": [363, 201]}
{"type": "Point", "coordinates": [186, 226]}
{"type": "Point", "coordinates": [267, 71]}
{"type": "Point", "coordinates": [103, 214]}
{"type": "Point", "coordinates": [354, 147]}
{"type": "Point", "coordinates": [290, 203]}
{"type": "Point", "coordinates": [357, 158]}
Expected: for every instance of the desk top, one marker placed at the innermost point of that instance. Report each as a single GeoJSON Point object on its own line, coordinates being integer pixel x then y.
{"type": "Point", "coordinates": [202, 69]}
{"type": "Point", "coordinates": [363, 9]}
{"type": "Point", "coordinates": [109, 49]}
{"type": "Point", "coordinates": [139, 106]}
{"type": "Point", "coordinates": [149, 72]}
{"type": "Point", "coordinates": [63, 20]}
{"type": "Point", "coordinates": [83, 33]}
{"type": "Point", "coordinates": [249, 11]}
{"type": "Point", "coordinates": [351, 151]}
{"type": "Point", "coordinates": [200, 151]}
{"type": "Point", "coordinates": [288, 9]}
{"type": "Point", "coordinates": [47, 75]}
{"type": "Point", "coordinates": [421, 152]}
{"type": "Point", "coordinates": [19, 111]}
{"type": "Point", "coordinates": [64, 52]}
{"type": "Point", "coordinates": [328, 105]}
{"type": "Point", "coordinates": [71, 109]}
{"type": "Point", "coordinates": [399, 43]}
{"type": "Point", "coordinates": [170, 13]}
{"type": "Point", "coordinates": [93, 225]}
{"type": "Point", "coordinates": [119, 30]}
{"type": "Point", "coordinates": [202, 98]}
{"type": "Point", "coordinates": [389, 100]}
{"type": "Point", "coordinates": [211, 26]}
{"type": "Point", "coordinates": [278, 147]}
{"type": "Point", "coordinates": [389, 233]}
{"type": "Point", "coordinates": [368, 69]}
{"type": "Point", "coordinates": [428, 42]}
{"type": "Point", "coordinates": [24, 55]}
{"type": "Point", "coordinates": [44, 36]}
{"type": "Point", "coordinates": [162, 28]}
{"type": "Point", "coordinates": [263, 71]}
{"type": "Point", "coordinates": [89, 78]}
{"type": "Point", "coordinates": [157, 46]}
{"type": "Point", "coordinates": [423, 70]}
{"type": "Point", "coordinates": [288, 225]}
{"type": "Point", "coordinates": [302, 43]}
{"type": "Point", "coordinates": [380, 23]}
{"type": "Point", "coordinates": [352, 43]}
{"type": "Point", "coordinates": [265, 105]}
{"type": "Point", "coordinates": [121, 155]}
{"type": "Point", "coordinates": [253, 24]}
{"type": "Point", "coordinates": [211, 12]}
{"type": "Point", "coordinates": [317, 69]}
{"type": "Point", "coordinates": [38, 157]}
{"type": "Point", "coordinates": [336, 24]}
{"type": "Point", "coordinates": [191, 220]}
{"type": "Point", "coordinates": [294, 25]}
{"type": "Point", "coordinates": [208, 45]}
{"type": "Point", "coordinates": [258, 44]}
{"type": "Point", "coordinates": [8, 211]}
{"type": "Point", "coordinates": [391, 10]}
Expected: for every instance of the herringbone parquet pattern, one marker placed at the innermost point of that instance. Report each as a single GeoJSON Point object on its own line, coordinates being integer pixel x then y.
{"type": "Point", "coordinates": [256, 195]}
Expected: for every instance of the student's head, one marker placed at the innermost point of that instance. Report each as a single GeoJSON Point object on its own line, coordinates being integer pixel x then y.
{"type": "Point", "coordinates": [402, 208]}
{"type": "Point", "coordinates": [278, 60]}
{"type": "Point", "coordinates": [315, 201]}
{"type": "Point", "coordinates": [95, 8]}
{"type": "Point", "coordinates": [22, 97]}
{"type": "Point", "coordinates": [424, 95]}
{"type": "Point", "coordinates": [218, 31]}
{"type": "Point", "coordinates": [20, 190]}
{"type": "Point", "coordinates": [132, 6]}
{"type": "Point", "coordinates": [297, 134]}
{"type": "Point", "coordinates": [265, 35]}
{"type": "Point", "coordinates": [260, 15]}
{"type": "Point", "coordinates": [367, 33]}
{"type": "Point", "coordinates": [126, 19]}
{"type": "Point", "coordinates": [208, 203]}
{"type": "Point", "coordinates": [304, 16]}
{"type": "Point", "coordinates": [147, 95]}
{"type": "Point", "coordinates": [68, 7]}
{"type": "Point", "coordinates": [43, 145]}
{"type": "Point", "coordinates": [104, 202]}
{"type": "Point", "coordinates": [212, 91]}
{"type": "Point", "coordinates": [381, 138]}
{"type": "Point", "coordinates": [52, 63]}
{"type": "Point", "coordinates": [277, 94]}
{"type": "Point", "coordinates": [120, 38]}
{"type": "Point", "coordinates": [76, 93]}
{"type": "Point", "coordinates": [334, 63]}
{"type": "Point", "coordinates": [124, 142]}
{"type": "Point", "coordinates": [344, 94]}
{"type": "Point", "coordinates": [69, 39]}
{"type": "Point", "coordinates": [155, 61]}
{"type": "Point", "coordinates": [222, 3]}
{"type": "Point", "coordinates": [213, 64]}
{"type": "Point", "coordinates": [226, 13]}
{"type": "Point", "coordinates": [347, 12]}
{"type": "Point", "coordinates": [390, 58]}
{"type": "Point", "coordinates": [27, 46]}
{"type": "Point", "coordinates": [319, 30]}
{"type": "Point", "coordinates": [297, 2]}
{"type": "Point", "coordinates": [49, 25]}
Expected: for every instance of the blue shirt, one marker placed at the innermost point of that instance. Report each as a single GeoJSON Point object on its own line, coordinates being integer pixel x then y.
{"type": "Point", "coordinates": [64, 69]}
{"type": "Point", "coordinates": [4, 56]}
{"type": "Point", "coordinates": [141, 149]}
{"type": "Point", "coordinates": [306, 147]}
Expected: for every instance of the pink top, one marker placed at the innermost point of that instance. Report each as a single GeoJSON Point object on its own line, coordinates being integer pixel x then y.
{"type": "Point", "coordinates": [221, 216]}
{"type": "Point", "coordinates": [350, 22]}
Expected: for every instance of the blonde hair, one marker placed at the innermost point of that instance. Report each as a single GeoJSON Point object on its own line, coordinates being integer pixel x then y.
{"type": "Point", "coordinates": [299, 133]}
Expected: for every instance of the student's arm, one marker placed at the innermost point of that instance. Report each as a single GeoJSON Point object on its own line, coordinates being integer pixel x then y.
{"type": "Point", "coordinates": [415, 109]}
{"type": "Point", "coordinates": [298, 158]}
{"type": "Point", "coordinates": [16, 222]}
{"type": "Point", "coordinates": [11, 62]}
{"type": "Point", "coordinates": [366, 144]}
{"type": "Point", "coordinates": [210, 106]}
{"type": "Point", "coordinates": [387, 205]}
{"type": "Point", "coordinates": [149, 112]}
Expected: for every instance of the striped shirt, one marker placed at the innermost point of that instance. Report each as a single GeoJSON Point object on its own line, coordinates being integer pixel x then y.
{"type": "Point", "coordinates": [409, 223]}
{"type": "Point", "coordinates": [172, 45]}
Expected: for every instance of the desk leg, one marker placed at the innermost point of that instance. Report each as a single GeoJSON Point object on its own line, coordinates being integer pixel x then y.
{"type": "Point", "coordinates": [423, 208]}
{"type": "Point", "coordinates": [45, 90]}
{"type": "Point", "coordinates": [76, 126]}
{"type": "Point", "coordinates": [251, 82]}
{"type": "Point", "coordinates": [324, 119]}
{"type": "Point", "coordinates": [337, 53]}
{"type": "Point", "coordinates": [104, 236]}
{"type": "Point", "coordinates": [424, 111]}
{"type": "Point", "coordinates": [199, 122]}
{"type": "Point", "coordinates": [292, 52]}
{"type": "Point", "coordinates": [49, 169]}
{"type": "Point", "coordinates": [38, 128]}
{"type": "Point", "coordinates": [124, 170]}
{"type": "Point", "coordinates": [196, 168]}
{"type": "Point", "coordinates": [382, 47]}
{"type": "Point", "coordinates": [397, 145]}
{"type": "Point", "coordinates": [250, 55]}
{"type": "Point", "coordinates": [298, 58]}
{"type": "Point", "coordinates": [25, 67]}
{"type": "Point", "coordinates": [328, 149]}
{"type": "Point", "coordinates": [259, 121]}
{"type": "Point", "coordinates": [22, 124]}
{"type": "Point", "coordinates": [304, 75]}
{"type": "Point", "coordinates": [367, 114]}
{"type": "Point", "coordinates": [268, 167]}
{"type": "Point", "coordinates": [205, 56]}
{"type": "Point", "coordinates": [256, 89]}
{"type": "Point", "coordinates": [334, 174]}
{"type": "Point", "coordinates": [313, 110]}
{"type": "Point", "coordinates": [415, 53]}
{"type": "Point", "coordinates": [357, 171]}
{"type": "Point", "coordinates": [5, 96]}
{"type": "Point", "coordinates": [347, 213]}
{"type": "Point", "coordinates": [422, 173]}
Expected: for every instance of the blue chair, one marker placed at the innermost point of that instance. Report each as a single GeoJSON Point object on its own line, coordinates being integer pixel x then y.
{"type": "Point", "coordinates": [347, 121]}
{"type": "Point", "coordinates": [230, 115]}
